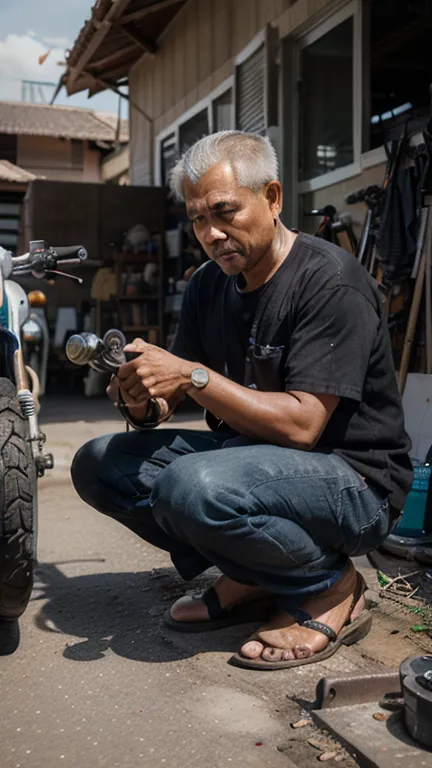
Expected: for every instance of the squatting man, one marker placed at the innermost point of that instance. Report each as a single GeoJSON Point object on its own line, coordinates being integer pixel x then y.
{"type": "Point", "coordinates": [283, 341]}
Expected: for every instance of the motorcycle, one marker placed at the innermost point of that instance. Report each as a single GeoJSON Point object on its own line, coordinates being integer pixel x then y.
{"type": "Point", "coordinates": [22, 454]}
{"type": "Point", "coordinates": [35, 338]}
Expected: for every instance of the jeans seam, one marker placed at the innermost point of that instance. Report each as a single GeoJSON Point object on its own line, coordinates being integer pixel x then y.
{"type": "Point", "coordinates": [297, 477]}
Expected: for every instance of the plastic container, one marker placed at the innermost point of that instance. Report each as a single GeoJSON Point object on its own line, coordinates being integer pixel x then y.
{"type": "Point", "coordinates": [412, 523]}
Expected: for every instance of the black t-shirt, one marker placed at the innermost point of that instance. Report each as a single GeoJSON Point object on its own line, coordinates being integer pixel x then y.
{"type": "Point", "coordinates": [331, 337]}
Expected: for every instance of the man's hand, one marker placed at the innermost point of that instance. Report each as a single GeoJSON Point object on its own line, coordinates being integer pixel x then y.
{"type": "Point", "coordinates": [138, 410]}
{"type": "Point", "coordinates": [153, 373]}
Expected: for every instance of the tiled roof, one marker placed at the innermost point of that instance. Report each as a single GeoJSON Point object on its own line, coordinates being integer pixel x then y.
{"type": "Point", "coordinates": [11, 172]}
{"type": "Point", "coordinates": [21, 118]}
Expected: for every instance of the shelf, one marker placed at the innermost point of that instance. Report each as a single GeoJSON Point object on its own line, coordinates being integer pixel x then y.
{"type": "Point", "coordinates": [129, 328]}
{"type": "Point", "coordinates": [143, 297]}
{"type": "Point", "coordinates": [139, 258]}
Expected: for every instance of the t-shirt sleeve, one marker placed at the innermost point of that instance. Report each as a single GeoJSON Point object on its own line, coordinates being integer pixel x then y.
{"type": "Point", "coordinates": [331, 344]}
{"type": "Point", "coordinates": [187, 341]}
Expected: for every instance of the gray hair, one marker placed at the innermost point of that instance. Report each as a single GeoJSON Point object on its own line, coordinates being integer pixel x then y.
{"type": "Point", "coordinates": [251, 156]}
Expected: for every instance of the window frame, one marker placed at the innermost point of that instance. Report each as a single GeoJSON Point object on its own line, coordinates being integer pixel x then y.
{"type": "Point", "coordinates": [351, 9]}
{"type": "Point", "coordinates": [200, 106]}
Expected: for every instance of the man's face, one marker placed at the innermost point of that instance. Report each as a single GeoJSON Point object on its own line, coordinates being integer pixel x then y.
{"type": "Point", "coordinates": [234, 225]}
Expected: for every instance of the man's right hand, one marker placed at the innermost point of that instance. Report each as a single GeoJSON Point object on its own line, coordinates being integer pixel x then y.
{"type": "Point", "coordinates": [137, 410]}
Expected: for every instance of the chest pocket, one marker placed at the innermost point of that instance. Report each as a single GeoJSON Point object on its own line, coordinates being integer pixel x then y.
{"type": "Point", "coordinates": [269, 342]}
{"type": "Point", "coordinates": [264, 367]}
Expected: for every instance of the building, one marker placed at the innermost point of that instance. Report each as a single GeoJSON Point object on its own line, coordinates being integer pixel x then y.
{"type": "Point", "coordinates": [328, 80]}
{"type": "Point", "coordinates": [54, 143]}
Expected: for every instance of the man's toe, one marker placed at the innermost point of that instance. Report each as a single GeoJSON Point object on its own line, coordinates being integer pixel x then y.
{"type": "Point", "coordinates": [252, 650]}
{"type": "Point", "coordinates": [302, 651]}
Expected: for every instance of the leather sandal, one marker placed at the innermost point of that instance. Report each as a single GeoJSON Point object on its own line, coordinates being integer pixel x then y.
{"type": "Point", "coordinates": [252, 611]}
{"type": "Point", "coordinates": [351, 633]}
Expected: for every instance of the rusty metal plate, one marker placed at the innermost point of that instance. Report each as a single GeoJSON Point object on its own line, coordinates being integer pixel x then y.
{"type": "Point", "coordinates": [334, 692]}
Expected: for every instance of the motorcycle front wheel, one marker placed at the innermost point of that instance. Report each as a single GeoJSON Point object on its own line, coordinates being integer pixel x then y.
{"type": "Point", "coordinates": [18, 494]}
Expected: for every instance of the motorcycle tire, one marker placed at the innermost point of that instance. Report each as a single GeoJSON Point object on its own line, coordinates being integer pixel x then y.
{"type": "Point", "coordinates": [18, 494]}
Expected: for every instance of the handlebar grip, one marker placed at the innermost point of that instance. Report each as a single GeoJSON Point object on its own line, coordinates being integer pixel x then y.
{"type": "Point", "coordinates": [63, 252]}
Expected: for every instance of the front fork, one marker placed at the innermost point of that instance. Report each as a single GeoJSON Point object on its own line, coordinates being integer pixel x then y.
{"type": "Point", "coordinates": [29, 408]}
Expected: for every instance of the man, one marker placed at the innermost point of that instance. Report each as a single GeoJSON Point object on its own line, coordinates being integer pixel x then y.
{"type": "Point", "coordinates": [282, 340]}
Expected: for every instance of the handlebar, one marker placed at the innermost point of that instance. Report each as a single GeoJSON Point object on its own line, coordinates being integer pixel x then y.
{"type": "Point", "coordinates": [69, 252]}
{"type": "Point", "coordinates": [364, 195]}
{"type": "Point", "coordinates": [42, 260]}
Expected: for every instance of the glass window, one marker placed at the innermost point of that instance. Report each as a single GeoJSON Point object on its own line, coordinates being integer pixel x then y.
{"type": "Point", "coordinates": [396, 38]}
{"type": "Point", "coordinates": [193, 129]}
{"type": "Point", "coordinates": [326, 103]}
{"type": "Point", "coordinates": [222, 112]}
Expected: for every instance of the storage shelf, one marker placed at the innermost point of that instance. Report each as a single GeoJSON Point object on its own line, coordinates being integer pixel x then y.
{"type": "Point", "coordinates": [143, 297]}
{"type": "Point", "coordinates": [141, 328]}
{"type": "Point", "coordinates": [138, 258]}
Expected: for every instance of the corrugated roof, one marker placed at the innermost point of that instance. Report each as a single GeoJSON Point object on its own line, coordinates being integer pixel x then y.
{"type": "Point", "coordinates": [11, 172]}
{"type": "Point", "coordinates": [21, 118]}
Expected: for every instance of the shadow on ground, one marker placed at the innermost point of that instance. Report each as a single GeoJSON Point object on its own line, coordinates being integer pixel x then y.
{"type": "Point", "coordinates": [123, 612]}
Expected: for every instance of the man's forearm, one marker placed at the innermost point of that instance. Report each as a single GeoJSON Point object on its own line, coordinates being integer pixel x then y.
{"type": "Point", "coordinates": [275, 417]}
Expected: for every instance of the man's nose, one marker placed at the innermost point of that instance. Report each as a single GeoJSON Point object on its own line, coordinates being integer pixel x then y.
{"type": "Point", "coordinates": [213, 234]}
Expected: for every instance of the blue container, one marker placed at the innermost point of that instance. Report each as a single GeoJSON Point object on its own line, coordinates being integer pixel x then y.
{"type": "Point", "coordinates": [412, 522]}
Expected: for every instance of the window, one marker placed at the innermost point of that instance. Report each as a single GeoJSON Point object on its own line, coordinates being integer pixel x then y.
{"type": "Point", "coordinates": [168, 157]}
{"type": "Point", "coordinates": [396, 53]}
{"type": "Point", "coordinates": [214, 113]}
{"type": "Point", "coordinates": [193, 129]}
{"type": "Point", "coordinates": [326, 134]}
{"type": "Point", "coordinates": [77, 153]}
{"type": "Point", "coordinates": [222, 112]}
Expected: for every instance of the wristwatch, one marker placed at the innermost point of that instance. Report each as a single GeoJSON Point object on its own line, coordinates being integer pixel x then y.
{"type": "Point", "coordinates": [199, 378]}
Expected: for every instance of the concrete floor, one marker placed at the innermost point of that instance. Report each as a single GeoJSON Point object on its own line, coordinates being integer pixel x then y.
{"type": "Point", "coordinates": [98, 681]}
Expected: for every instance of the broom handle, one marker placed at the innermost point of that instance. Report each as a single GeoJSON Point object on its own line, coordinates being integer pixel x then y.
{"type": "Point", "coordinates": [413, 315]}
{"type": "Point", "coordinates": [428, 287]}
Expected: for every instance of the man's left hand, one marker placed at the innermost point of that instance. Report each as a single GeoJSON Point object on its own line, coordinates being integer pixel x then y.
{"type": "Point", "coordinates": [154, 372]}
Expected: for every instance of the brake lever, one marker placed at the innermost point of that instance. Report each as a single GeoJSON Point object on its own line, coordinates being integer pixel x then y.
{"type": "Point", "coordinates": [55, 272]}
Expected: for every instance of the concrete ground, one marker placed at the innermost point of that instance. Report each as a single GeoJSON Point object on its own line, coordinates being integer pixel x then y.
{"type": "Point", "coordinates": [98, 681]}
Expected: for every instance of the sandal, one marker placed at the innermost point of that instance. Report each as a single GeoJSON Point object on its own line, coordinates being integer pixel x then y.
{"type": "Point", "coordinates": [244, 613]}
{"type": "Point", "coordinates": [351, 633]}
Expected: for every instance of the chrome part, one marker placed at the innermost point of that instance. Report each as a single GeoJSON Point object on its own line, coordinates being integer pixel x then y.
{"type": "Point", "coordinates": [82, 348]}
{"type": "Point", "coordinates": [27, 404]}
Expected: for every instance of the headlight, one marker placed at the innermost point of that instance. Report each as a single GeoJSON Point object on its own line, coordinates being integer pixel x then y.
{"type": "Point", "coordinates": [31, 331]}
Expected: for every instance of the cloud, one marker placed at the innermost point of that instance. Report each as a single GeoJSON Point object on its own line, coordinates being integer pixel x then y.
{"type": "Point", "coordinates": [57, 42]}
{"type": "Point", "coordinates": [19, 56]}
{"type": "Point", "coordinates": [19, 61]}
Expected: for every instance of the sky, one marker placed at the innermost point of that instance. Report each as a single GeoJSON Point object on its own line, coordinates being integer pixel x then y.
{"type": "Point", "coordinates": [29, 28]}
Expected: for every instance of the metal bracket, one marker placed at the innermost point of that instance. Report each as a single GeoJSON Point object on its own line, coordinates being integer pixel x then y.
{"type": "Point", "coordinates": [346, 691]}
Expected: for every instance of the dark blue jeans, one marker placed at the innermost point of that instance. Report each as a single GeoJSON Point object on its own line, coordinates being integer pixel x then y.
{"type": "Point", "coordinates": [279, 518]}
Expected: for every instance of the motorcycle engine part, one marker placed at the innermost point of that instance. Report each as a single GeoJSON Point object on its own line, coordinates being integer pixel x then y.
{"type": "Point", "coordinates": [31, 331]}
{"type": "Point", "coordinates": [416, 684]}
{"type": "Point", "coordinates": [37, 299]}
{"type": "Point", "coordinates": [82, 348]}
{"type": "Point", "coordinates": [114, 343]}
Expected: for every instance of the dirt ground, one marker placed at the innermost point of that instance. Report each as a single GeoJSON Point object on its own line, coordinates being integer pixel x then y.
{"type": "Point", "coordinates": [97, 680]}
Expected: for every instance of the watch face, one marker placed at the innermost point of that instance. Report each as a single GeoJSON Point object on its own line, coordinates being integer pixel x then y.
{"type": "Point", "coordinates": [199, 378]}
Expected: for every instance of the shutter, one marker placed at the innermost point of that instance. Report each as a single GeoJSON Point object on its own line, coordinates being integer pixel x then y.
{"type": "Point", "coordinates": [251, 113]}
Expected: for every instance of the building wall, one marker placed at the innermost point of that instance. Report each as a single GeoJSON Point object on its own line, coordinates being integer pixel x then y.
{"type": "Point", "coordinates": [58, 159]}
{"type": "Point", "coordinates": [196, 54]}
{"type": "Point", "coordinates": [335, 195]}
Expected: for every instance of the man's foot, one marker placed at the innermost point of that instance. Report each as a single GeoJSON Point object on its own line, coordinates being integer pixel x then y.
{"type": "Point", "coordinates": [229, 592]}
{"type": "Point", "coordinates": [282, 639]}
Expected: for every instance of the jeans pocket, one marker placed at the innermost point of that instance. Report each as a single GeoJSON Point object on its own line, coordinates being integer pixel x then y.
{"type": "Point", "coordinates": [363, 520]}
{"type": "Point", "coordinates": [372, 535]}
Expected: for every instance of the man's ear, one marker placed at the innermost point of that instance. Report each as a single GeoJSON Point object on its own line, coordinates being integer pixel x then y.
{"type": "Point", "coordinates": [273, 193]}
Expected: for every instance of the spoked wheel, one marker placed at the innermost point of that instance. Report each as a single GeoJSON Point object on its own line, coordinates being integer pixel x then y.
{"type": "Point", "coordinates": [18, 495]}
